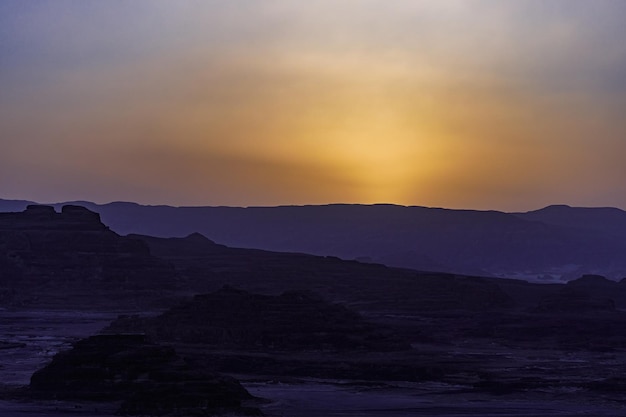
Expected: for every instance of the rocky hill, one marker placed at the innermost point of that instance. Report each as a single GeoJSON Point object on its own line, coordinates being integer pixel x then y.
{"type": "Point", "coordinates": [605, 220]}
{"type": "Point", "coordinates": [364, 286]}
{"type": "Point", "coordinates": [71, 257]}
{"type": "Point", "coordinates": [144, 378]}
{"type": "Point", "coordinates": [239, 320]}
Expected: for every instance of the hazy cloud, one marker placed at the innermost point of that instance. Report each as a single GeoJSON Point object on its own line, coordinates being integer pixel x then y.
{"type": "Point", "coordinates": [481, 103]}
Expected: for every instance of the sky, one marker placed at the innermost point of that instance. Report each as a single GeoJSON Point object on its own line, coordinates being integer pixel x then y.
{"type": "Point", "coordinates": [483, 104]}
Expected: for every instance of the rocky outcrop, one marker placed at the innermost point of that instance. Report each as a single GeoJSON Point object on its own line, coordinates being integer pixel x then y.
{"type": "Point", "coordinates": [146, 378]}
{"type": "Point", "coordinates": [40, 217]}
{"type": "Point", "coordinates": [46, 255]}
{"type": "Point", "coordinates": [598, 287]}
{"type": "Point", "coordinates": [235, 319]}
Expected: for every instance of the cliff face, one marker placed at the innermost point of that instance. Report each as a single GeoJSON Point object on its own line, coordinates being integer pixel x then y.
{"type": "Point", "coordinates": [46, 255]}
{"type": "Point", "coordinates": [40, 232]}
{"type": "Point", "coordinates": [38, 217]}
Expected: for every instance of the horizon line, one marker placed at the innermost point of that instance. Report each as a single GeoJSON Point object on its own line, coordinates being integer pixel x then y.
{"type": "Point", "coordinates": [305, 205]}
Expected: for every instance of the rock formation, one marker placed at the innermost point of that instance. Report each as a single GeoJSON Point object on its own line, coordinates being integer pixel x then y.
{"type": "Point", "coordinates": [235, 319]}
{"type": "Point", "coordinates": [146, 378]}
{"type": "Point", "coordinates": [45, 255]}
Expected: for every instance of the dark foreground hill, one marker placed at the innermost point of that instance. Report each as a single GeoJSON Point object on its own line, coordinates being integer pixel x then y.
{"type": "Point", "coordinates": [144, 378]}
{"type": "Point", "coordinates": [364, 286]}
{"type": "Point", "coordinates": [555, 243]}
{"type": "Point", "coordinates": [238, 320]}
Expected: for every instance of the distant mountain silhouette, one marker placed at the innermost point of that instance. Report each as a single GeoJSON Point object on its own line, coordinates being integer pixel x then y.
{"type": "Point", "coordinates": [555, 243]}
{"type": "Point", "coordinates": [14, 205]}
{"type": "Point", "coordinates": [609, 220]}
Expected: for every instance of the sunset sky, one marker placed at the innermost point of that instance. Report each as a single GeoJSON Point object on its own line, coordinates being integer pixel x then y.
{"type": "Point", "coordinates": [485, 104]}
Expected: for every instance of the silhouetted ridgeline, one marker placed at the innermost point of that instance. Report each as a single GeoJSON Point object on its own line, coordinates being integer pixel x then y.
{"type": "Point", "coordinates": [554, 243]}
{"type": "Point", "coordinates": [41, 217]}
{"type": "Point", "coordinates": [71, 258]}
{"type": "Point", "coordinates": [607, 220]}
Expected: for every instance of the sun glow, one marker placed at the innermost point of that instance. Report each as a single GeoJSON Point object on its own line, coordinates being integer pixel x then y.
{"type": "Point", "coordinates": [381, 158]}
{"type": "Point", "coordinates": [372, 143]}
{"type": "Point", "coordinates": [480, 104]}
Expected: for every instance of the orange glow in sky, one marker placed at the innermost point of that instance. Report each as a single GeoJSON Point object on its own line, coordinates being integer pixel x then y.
{"type": "Point", "coordinates": [489, 104]}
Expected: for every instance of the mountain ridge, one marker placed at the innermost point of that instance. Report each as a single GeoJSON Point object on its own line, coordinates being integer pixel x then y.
{"type": "Point", "coordinates": [550, 244]}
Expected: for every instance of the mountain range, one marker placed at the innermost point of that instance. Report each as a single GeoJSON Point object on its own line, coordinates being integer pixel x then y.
{"type": "Point", "coordinates": [553, 244]}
